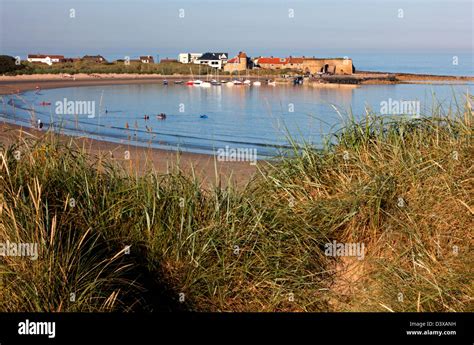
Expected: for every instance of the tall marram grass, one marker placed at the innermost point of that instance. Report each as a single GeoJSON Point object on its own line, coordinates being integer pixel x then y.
{"type": "Point", "coordinates": [404, 188]}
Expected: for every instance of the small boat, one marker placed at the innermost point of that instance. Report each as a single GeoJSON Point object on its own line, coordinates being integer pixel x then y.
{"type": "Point", "coordinates": [216, 82]}
{"type": "Point", "coordinates": [197, 82]}
{"type": "Point", "coordinates": [271, 83]}
{"type": "Point", "coordinates": [247, 81]}
{"type": "Point", "coordinates": [178, 82]}
{"type": "Point", "coordinates": [161, 116]}
{"type": "Point", "coordinates": [203, 116]}
{"type": "Point", "coordinates": [190, 83]}
{"type": "Point", "coordinates": [229, 83]}
{"type": "Point", "coordinates": [257, 83]}
{"type": "Point", "coordinates": [237, 82]}
{"type": "Point", "coordinates": [45, 103]}
{"type": "Point", "coordinates": [205, 84]}
{"type": "Point", "coordinates": [165, 82]}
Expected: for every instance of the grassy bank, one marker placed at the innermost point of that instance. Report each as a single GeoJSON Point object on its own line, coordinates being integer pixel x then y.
{"type": "Point", "coordinates": [403, 188]}
{"type": "Point", "coordinates": [164, 68]}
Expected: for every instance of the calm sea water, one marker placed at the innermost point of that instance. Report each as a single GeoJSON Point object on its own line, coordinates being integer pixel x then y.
{"type": "Point", "coordinates": [453, 63]}
{"type": "Point", "coordinates": [238, 116]}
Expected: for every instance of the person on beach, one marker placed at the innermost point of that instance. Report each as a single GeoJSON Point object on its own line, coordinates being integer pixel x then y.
{"type": "Point", "coordinates": [40, 124]}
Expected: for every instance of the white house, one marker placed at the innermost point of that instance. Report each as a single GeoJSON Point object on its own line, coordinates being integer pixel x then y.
{"type": "Point", "coordinates": [189, 57]}
{"type": "Point", "coordinates": [147, 59]}
{"type": "Point", "coordinates": [47, 59]}
{"type": "Point", "coordinates": [216, 60]}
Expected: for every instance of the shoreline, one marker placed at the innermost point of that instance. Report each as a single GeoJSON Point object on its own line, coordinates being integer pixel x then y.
{"type": "Point", "coordinates": [21, 83]}
{"type": "Point", "coordinates": [138, 159]}
{"type": "Point", "coordinates": [161, 159]}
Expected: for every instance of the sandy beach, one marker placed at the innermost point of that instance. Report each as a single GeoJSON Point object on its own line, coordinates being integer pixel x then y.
{"type": "Point", "coordinates": [9, 84]}
{"type": "Point", "coordinates": [141, 159]}
{"type": "Point", "coordinates": [20, 83]}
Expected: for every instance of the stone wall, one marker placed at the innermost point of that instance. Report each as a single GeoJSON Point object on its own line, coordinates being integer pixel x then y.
{"type": "Point", "coordinates": [313, 65]}
{"type": "Point", "coordinates": [333, 66]}
{"type": "Point", "coordinates": [234, 67]}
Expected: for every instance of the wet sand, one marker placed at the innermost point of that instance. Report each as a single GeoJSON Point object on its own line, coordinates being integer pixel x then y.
{"type": "Point", "coordinates": [141, 159]}
{"type": "Point", "coordinates": [9, 85]}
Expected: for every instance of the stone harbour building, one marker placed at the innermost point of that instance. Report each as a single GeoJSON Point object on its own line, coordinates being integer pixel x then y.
{"type": "Point", "coordinates": [239, 63]}
{"type": "Point", "coordinates": [308, 65]}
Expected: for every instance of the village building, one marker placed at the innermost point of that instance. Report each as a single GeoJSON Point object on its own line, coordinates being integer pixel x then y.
{"type": "Point", "coordinates": [188, 57]}
{"type": "Point", "coordinates": [94, 58]}
{"type": "Point", "coordinates": [147, 59]}
{"type": "Point", "coordinates": [331, 66]}
{"type": "Point", "coordinates": [271, 62]}
{"type": "Point", "coordinates": [295, 63]}
{"type": "Point", "coordinates": [47, 59]}
{"type": "Point", "coordinates": [239, 63]}
{"type": "Point", "coordinates": [216, 60]}
{"type": "Point", "coordinates": [307, 65]}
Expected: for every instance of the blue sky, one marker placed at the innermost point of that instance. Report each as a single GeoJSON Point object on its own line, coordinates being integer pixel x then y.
{"type": "Point", "coordinates": [260, 27]}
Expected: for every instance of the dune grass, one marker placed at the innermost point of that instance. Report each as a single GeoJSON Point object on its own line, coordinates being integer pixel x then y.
{"type": "Point", "coordinates": [121, 241]}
